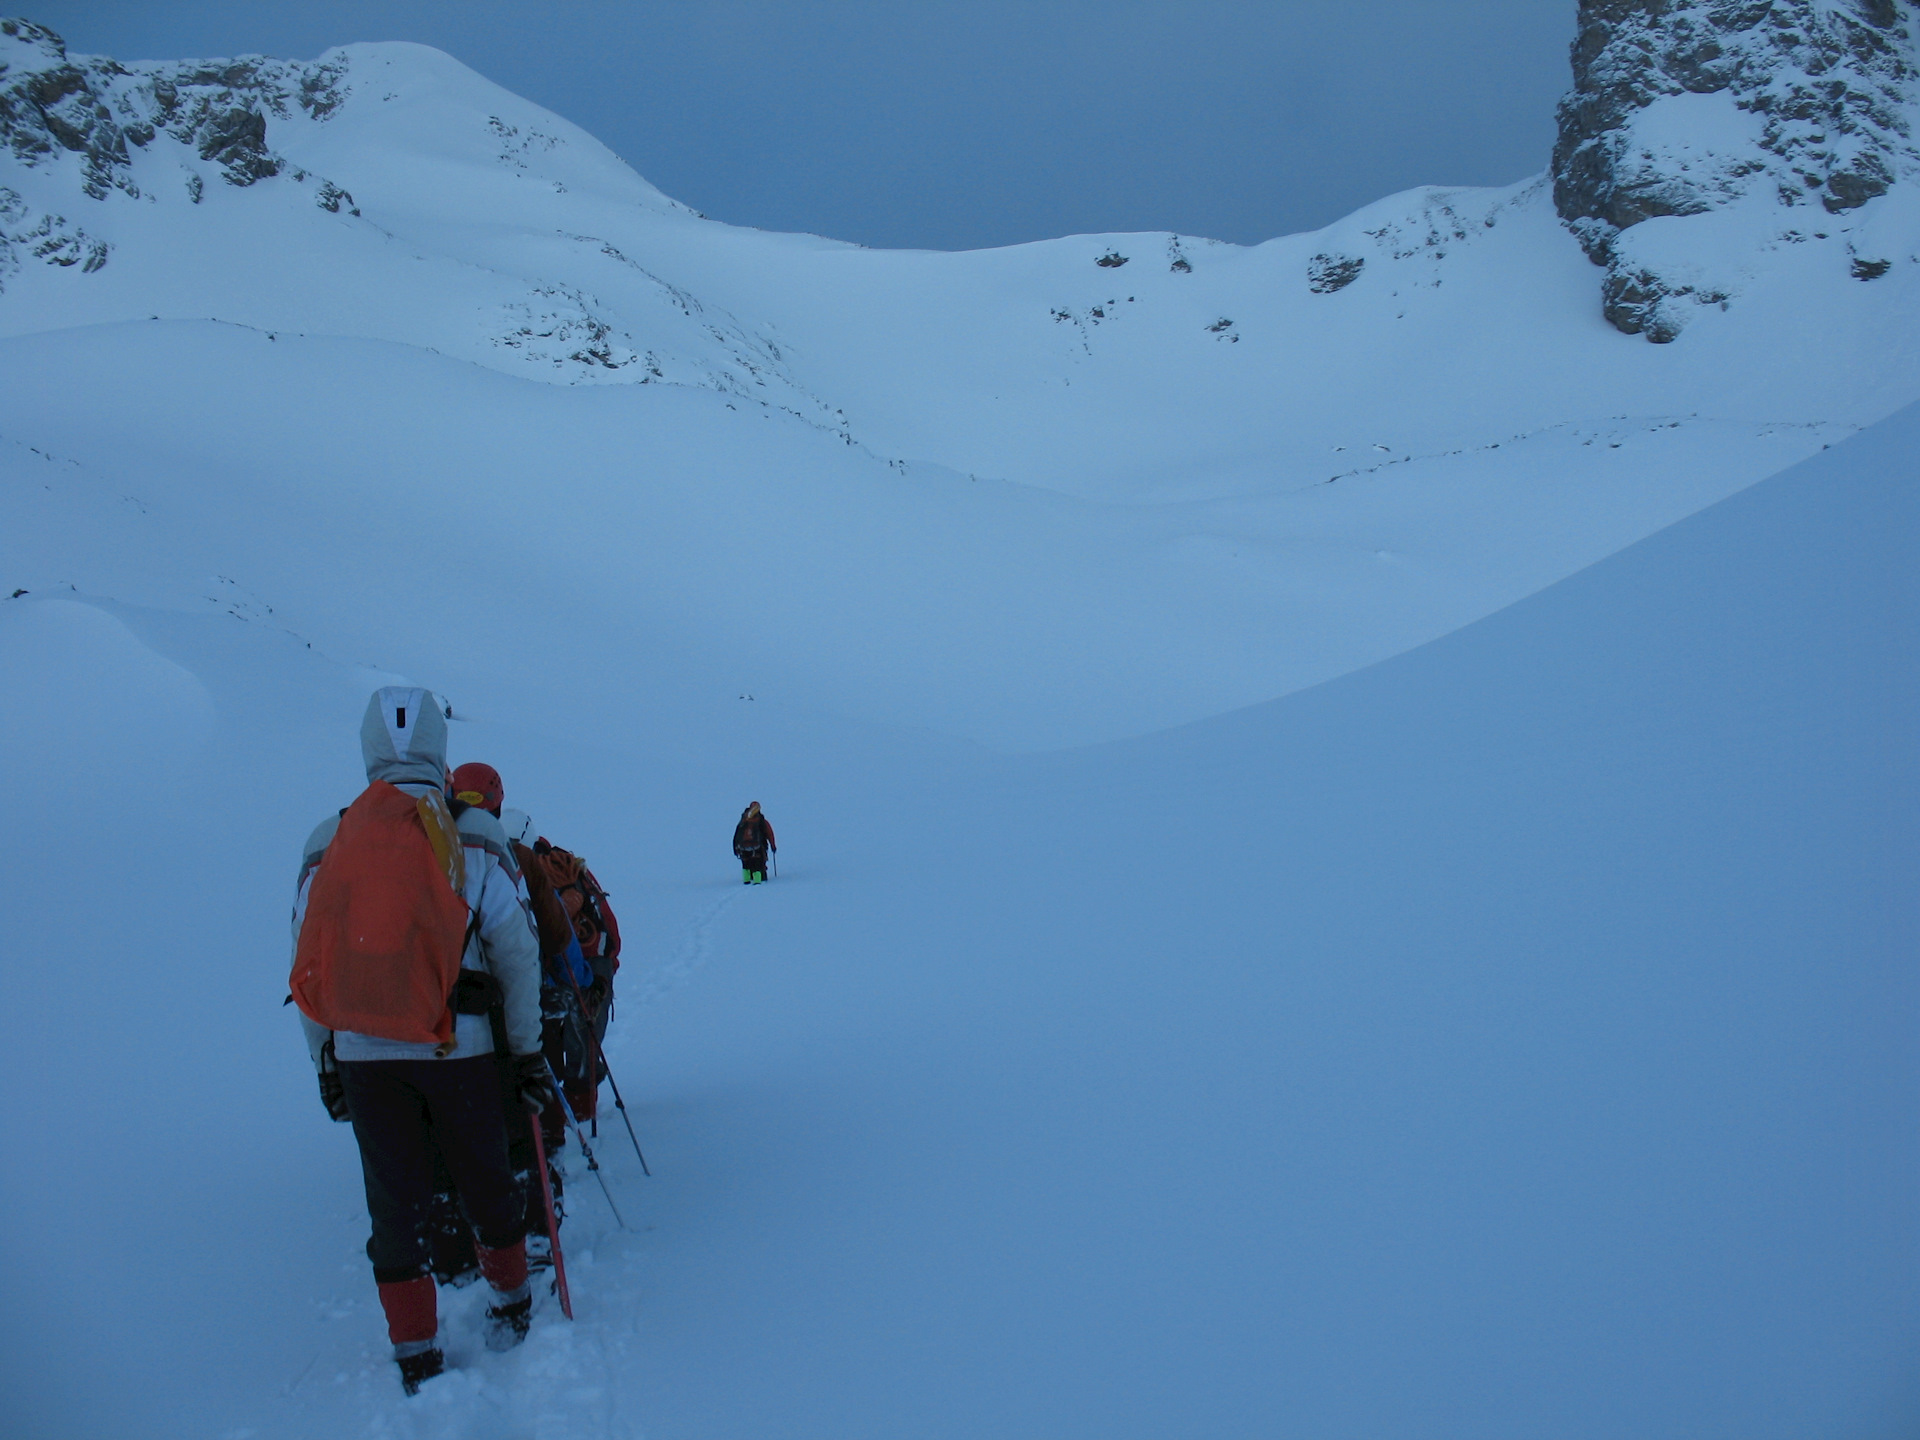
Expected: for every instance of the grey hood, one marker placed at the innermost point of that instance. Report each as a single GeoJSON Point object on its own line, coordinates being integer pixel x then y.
{"type": "Point", "coordinates": [403, 738]}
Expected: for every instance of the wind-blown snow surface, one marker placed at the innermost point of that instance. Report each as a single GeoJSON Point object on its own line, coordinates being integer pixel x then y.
{"type": "Point", "coordinates": [1511, 1039]}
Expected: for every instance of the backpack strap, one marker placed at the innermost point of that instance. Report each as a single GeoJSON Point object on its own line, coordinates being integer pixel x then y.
{"type": "Point", "coordinates": [473, 926]}
{"type": "Point", "coordinates": [591, 895]}
{"type": "Point", "coordinates": [445, 1049]}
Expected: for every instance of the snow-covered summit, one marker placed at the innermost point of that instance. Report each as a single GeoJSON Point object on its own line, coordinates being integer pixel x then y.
{"type": "Point", "coordinates": [1795, 112]}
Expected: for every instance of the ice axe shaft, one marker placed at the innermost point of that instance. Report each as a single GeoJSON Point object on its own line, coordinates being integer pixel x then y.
{"type": "Point", "coordinates": [553, 1221]}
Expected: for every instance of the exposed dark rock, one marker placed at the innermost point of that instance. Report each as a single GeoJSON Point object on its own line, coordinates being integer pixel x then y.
{"type": "Point", "coordinates": [236, 139]}
{"type": "Point", "coordinates": [330, 197]}
{"type": "Point", "coordinates": [53, 105]}
{"type": "Point", "coordinates": [49, 238]}
{"type": "Point", "coordinates": [1871, 269]}
{"type": "Point", "coordinates": [1328, 273]}
{"type": "Point", "coordinates": [1639, 302]}
{"type": "Point", "coordinates": [1827, 82]}
{"type": "Point", "coordinates": [1850, 189]}
{"type": "Point", "coordinates": [99, 108]}
{"type": "Point", "coordinates": [1112, 260]}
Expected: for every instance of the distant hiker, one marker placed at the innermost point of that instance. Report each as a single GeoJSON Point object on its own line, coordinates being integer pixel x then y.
{"type": "Point", "coordinates": [752, 842]}
{"type": "Point", "coordinates": [409, 924]}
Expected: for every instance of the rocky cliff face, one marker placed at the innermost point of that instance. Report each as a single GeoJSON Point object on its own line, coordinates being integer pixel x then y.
{"type": "Point", "coordinates": [104, 112]}
{"type": "Point", "coordinates": [1687, 107]}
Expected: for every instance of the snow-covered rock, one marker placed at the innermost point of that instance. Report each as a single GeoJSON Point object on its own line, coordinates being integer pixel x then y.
{"type": "Point", "coordinates": [103, 113]}
{"type": "Point", "coordinates": [1794, 114]}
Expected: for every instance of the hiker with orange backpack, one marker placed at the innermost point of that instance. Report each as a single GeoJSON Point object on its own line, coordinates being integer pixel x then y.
{"type": "Point", "coordinates": [409, 925]}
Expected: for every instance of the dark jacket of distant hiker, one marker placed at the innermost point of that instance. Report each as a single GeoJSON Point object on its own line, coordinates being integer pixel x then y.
{"type": "Point", "coordinates": [753, 838]}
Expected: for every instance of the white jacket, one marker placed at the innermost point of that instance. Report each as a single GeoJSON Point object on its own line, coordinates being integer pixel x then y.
{"type": "Point", "coordinates": [412, 756]}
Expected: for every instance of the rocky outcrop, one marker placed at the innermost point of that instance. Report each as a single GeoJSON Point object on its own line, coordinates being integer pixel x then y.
{"type": "Point", "coordinates": [1328, 273]}
{"type": "Point", "coordinates": [29, 234]}
{"type": "Point", "coordinates": [1684, 107]}
{"type": "Point", "coordinates": [103, 113]}
{"type": "Point", "coordinates": [102, 110]}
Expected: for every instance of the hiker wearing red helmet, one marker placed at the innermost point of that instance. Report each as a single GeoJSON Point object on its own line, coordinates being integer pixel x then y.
{"type": "Point", "coordinates": [479, 786]}
{"type": "Point", "coordinates": [575, 991]}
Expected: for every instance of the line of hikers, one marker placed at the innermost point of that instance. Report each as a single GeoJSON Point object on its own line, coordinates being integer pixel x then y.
{"type": "Point", "coordinates": [450, 966]}
{"type": "Point", "coordinates": [454, 977]}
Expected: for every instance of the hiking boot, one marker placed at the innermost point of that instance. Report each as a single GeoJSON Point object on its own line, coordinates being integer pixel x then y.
{"type": "Point", "coordinates": [509, 1318]}
{"type": "Point", "coordinates": [419, 1366]}
{"type": "Point", "coordinates": [539, 1252]}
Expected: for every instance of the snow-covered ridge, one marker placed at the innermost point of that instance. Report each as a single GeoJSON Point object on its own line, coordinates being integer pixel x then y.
{"type": "Point", "coordinates": [1686, 107]}
{"type": "Point", "coordinates": [1082, 487]}
{"type": "Point", "coordinates": [86, 129]}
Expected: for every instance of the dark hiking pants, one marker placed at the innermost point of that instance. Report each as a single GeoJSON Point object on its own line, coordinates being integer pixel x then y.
{"type": "Point", "coordinates": [403, 1112]}
{"type": "Point", "coordinates": [450, 1236]}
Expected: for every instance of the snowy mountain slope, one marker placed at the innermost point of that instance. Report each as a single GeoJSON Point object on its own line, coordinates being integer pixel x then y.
{"type": "Point", "coordinates": [778, 560]}
{"type": "Point", "coordinates": [1512, 1038]}
{"type": "Point", "coordinates": [1163, 488]}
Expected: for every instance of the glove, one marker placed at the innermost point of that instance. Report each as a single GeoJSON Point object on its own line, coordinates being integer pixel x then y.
{"type": "Point", "coordinates": [333, 1095]}
{"type": "Point", "coordinates": [597, 994]}
{"type": "Point", "coordinates": [534, 1081]}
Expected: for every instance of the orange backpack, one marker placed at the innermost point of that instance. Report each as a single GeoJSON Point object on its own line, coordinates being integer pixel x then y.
{"type": "Point", "coordinates": [386, 921]}
{"type": "Point", "coordinates": [586, 903]}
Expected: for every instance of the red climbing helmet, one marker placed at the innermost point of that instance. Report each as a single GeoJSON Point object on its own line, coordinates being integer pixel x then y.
{"type": "Point", "coordinates": [478, 785]}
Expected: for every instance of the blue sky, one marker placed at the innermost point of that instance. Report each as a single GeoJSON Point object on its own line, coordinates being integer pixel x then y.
{"type": "Point", "coordinates": [951, 125]}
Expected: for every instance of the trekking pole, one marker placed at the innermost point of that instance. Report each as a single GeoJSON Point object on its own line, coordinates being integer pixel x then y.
{"type": "Point", "coordinates": [553, 1222]}
{"type": "Point", "coordinates": [597, 1059]}
{"type": "Point", "coordinates": [773, 859]}
{"type": "Point", "coordinates": [585, 1149]}
{"type": "Point", "coordinates": [621, 1106]}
